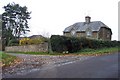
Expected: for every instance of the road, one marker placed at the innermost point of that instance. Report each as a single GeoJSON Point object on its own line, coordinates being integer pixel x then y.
{"type": "Point", "coordinates": [105, 66]}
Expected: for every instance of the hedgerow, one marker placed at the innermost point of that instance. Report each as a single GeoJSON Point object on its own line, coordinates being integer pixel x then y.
{"type": "Point", "coordinates": [72, 44]}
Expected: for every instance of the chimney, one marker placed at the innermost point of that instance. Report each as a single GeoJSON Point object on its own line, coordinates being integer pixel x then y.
{"type": "Point", "coordinates": [87, 19]}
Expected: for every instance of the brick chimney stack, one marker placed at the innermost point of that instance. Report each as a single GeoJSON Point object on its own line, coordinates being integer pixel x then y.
{"type": "Point", "coordinates": [87, 19]}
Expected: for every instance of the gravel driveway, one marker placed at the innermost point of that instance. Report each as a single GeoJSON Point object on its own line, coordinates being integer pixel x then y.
{"type": "Point", "coordinates": [30, 63]}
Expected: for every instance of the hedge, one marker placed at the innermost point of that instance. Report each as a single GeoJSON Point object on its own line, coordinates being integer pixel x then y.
{"type": "Point", "coordinates": [72, 44]}
{"type": "Point", "coordinates": [62, 43]}
{"type": "Point", "coordinates": [58, 43]}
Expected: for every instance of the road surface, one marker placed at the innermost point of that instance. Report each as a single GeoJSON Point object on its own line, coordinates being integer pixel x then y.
{"type": "Point", "coordinates": [105, 66]}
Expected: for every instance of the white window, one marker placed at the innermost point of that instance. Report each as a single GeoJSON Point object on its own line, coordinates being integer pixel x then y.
{"type": "Point", "coordinates": [73, 32]}
{"type": "Point", "coordinates": [89, 33]}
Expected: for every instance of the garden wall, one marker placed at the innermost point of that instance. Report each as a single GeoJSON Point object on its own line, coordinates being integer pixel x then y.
{"type": "Point", "coordinates": [43, 47]}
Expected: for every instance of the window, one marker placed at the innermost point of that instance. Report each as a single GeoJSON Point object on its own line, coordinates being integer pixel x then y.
{"type": "Point", "coordinates": [89, 33]}
{"type": "Point", "coordinates": [73, 32]}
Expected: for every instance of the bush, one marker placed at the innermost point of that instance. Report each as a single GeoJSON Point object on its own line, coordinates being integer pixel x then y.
{"type": "Point", "coordinates": [72, 44]}
{"type": "Point", "coordinates": [62, 43]}
{"type": "Point", "coordinates": [24, 41]}
{"type": "Point", "coordinates": [28, 41]}
{"type": "Point", "coordinates": [58, 43]}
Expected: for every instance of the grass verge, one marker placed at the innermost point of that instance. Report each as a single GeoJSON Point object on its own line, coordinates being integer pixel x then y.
{"type": "Point", "coordinates": [87, 51]}
{"type": "Point", "coordinates": [38, 53]}
{"type": "Point", "coordinates": [6, 60]}
{"type": "Point", "coordinates": [98, 51]}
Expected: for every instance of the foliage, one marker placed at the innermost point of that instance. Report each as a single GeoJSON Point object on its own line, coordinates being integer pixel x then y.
{"type": "Point", "coordinates": [6, 35]}
{"type": "Point", "coordinates": [72, 44]}
{"type": "Point", "coordinates": [7, 59]}
{"type": "Point", "coordinates": [62, 43]}
{"type": "Point", "coordinates": [24, 41]}
{"type": "Point", "coordinates": [88, 51]}
{"type": "Point", "coordinates": [32, 53]}
{"type": "Point", "coordinates": [29, 41]}
{"type": "Point", "coordinates": [57, 43]}
{"type": "Point", "coordinates": [13, 42]}
{"type": "Point", "coordinates": [15, 21]}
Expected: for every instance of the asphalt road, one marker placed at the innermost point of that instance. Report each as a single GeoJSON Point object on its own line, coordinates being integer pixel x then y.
{"type": "Point", "coordinates": [97, 67]}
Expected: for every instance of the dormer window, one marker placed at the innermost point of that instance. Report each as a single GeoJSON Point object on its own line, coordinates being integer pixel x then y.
{"type": "Point", "coordinates": [88, 32]}
{"type": "Point", "coordinates": [73, 32]}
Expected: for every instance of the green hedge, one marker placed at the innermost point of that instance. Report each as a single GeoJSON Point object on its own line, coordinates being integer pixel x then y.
{"type": "Point", "coordinates": [62, 43]}
{"type": "Point", "coordinates": [58, 43]}
{"type": "Point", "coordinates": [72, 44]}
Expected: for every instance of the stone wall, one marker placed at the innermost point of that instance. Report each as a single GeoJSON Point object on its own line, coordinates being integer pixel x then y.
{"type": "Point", "coordinates": [103, 34]}
{"type": "Point", "coordinates": [67, 34]}
{"type": "Point", "coordinates": [28, 48]}
{"type": "Point", "coordinates": [80, 34]}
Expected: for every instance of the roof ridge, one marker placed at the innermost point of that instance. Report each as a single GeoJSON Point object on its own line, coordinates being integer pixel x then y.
{"type": "Point", "coordinates": [81, 26]}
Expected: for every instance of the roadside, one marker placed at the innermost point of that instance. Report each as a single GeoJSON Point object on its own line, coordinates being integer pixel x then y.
{"type": "Point", "coordinates": [85, 51]}
{"type": "Point", "coordinates": [82, 67]}
{"type": "Point", "coordinates": [31, 63]}
{"type": "Point", "coordinates": [7, 60]}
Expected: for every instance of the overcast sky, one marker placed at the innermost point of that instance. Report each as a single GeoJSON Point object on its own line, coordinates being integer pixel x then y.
{"type": "Point", "coordinates": [53, 16]}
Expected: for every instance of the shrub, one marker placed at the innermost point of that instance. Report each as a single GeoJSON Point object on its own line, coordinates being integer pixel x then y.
{"type": "Point", "coordinates": [75, 44]}
{"type": "Point", "coordinates": [72, 44]}
{"type": "Point", "coordinates": [24, 41]}
{"type": "Point", "coordinates": [58, 43]}
{"type": "Point", "coordinates": [28, 41]}
{"type": "Point", "coordinates": [62, 43]}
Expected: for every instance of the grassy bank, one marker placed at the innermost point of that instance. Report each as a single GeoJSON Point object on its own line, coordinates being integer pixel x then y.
{"type": "Point", "coordinates": [98, 51]}
{"type": "Point", "coordinates": [6, 59]}
{"type": "Point", "coordinates": [38, 53]}
{"type": "Point", "coordinates": [82, 51]}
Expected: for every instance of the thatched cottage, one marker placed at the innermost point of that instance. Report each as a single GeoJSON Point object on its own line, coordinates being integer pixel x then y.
{"type": "Point", "coordinates": [89, 29]}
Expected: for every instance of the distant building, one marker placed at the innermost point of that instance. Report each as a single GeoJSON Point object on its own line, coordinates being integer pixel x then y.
{"type": "Point", "coordinates": [94, 30]}
{"type": "Point", "coordinates": [36, 36]}
{"type": "Point", "coordinates": [32, 37]}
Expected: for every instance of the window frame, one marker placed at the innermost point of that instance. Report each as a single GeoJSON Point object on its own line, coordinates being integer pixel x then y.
{"type": "Point", "coordinates": [88, 32]}
{"type": "Point", "coordinates": [73, 32]}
